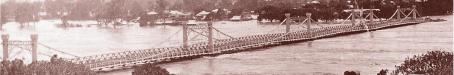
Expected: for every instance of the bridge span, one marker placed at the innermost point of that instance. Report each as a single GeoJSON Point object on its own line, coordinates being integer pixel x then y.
{"type": "Point", "coordinates": [214, 46]}
{"type": "Point", "coordinates": [127, 59]}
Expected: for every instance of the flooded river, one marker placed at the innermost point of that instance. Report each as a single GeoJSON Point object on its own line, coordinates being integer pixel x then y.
{"type": "Point", "coordinates": [366, 52]}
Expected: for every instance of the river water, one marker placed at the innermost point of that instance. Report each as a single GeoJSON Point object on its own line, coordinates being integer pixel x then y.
{"type": "Point", "coordinates": [365, 52]}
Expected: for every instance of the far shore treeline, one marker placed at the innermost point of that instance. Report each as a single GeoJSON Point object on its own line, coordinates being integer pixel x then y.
{"type": "Point", "coordinates": [128, 10]}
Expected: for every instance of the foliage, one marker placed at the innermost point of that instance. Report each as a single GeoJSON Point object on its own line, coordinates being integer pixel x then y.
{"type": "Point", "coordinates": [436, 7]}
{"type": "Point", "coordinates": [23, 12]}
{"type": "Point", "coordinates": [2, 18]}
{"type": "Point", "coordinates": [382, 72]}
{"type": "Point", "coordinates": [59, 67]}
{"type": "Point", "coordinates": [150, 69]}
{"type": "Point", "coordinates": [431, 63]}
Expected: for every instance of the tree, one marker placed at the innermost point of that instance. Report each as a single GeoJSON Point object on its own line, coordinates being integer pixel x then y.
{"type": "Point", "coordinates": [2, 16]}
{"type": "Point", "coordinates": [134, 10]}
{"type": "Point", "coordinates": [270, 12]}
{"type": "Point", "coordinates": [224, 4]}
{"type": "Point", "coordinates": [7, 9]}
{"type": "Point", "coordinates": [113, 11]}
{"type": "Point", "coordinates": [59, 67]}
{"type": "Point", "coordinates": [56, 8]}
{"type": "Point", "coordinates": [162, 5]}
{"type": "Point", "coordinates": [150, 69]}
{"type": "Point", "coordinates": [26, 12]}
{"type": "Point", "coordinates": [179, 5]}
{"type": "Point", "coordinates": [431, 63]}
{"type": "Point", "coordinates": [84, 9]}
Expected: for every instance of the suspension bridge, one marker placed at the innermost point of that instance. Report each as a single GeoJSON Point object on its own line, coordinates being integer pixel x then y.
{"type": "Point", "coordinates": [360, 20]}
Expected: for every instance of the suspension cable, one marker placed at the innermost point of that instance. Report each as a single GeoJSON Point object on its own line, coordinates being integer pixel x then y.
{"type": "Point", "coordinates": [223, 33]}
{"type": "Point", "coordinates": [168, 38]}
{"type": "Point", "coordinates": [345, 20]}
{"type": "Point", "coordinates": [31, 50]}
{"type": "Point", "coordinates": [276, 28]}
{"type": "Point", "coordinates": [48, 47]}
{"type": "Point", "coordinates": [201, 34]}
{"type": "Point", "coordinates": [393, 14]}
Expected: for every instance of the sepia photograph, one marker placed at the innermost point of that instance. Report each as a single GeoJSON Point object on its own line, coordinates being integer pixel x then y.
{"type": "Point", "coordinates": [226, 37]}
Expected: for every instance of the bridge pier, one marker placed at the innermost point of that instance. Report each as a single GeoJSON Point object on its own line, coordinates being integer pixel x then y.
{"type": "Point", "coordinates": [414, 12]}
{"type": "Point", "coordinates": [287, 22]}
{"type": "Point", "coordinates": [185, 36]}
{"type": "Point", "coordinates": [398, 13]}
{"type": "Point", "coordinates": [353, 18]}
{"type": "Point", "coordinates": [34, 43]}
{"type": "Point", "coordinates": [210, 36]}
{"type": "Point", "coordinates": [5, 39]}
{"type": "Point", "coordinates": [308, 15]}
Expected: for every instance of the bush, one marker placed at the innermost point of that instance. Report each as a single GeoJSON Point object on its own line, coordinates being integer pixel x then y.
{"type": "Point", "coordinates": [431, 63]}
{"type": "Point", "coordinates": [58, 67]}
{"type": "Point", "coordinates": [149, 69]}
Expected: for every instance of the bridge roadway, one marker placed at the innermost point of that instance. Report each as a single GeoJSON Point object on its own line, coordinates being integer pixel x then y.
{"type": "Point", "coordinates": [127, 59]}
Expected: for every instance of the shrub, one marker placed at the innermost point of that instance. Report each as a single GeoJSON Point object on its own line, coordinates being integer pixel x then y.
{"type": "Point", "coordinates": [59, 67]}
{"type": "Point", "coordinates": [149, 69]}
{"type": "Point", "coordinates": [431, 63]}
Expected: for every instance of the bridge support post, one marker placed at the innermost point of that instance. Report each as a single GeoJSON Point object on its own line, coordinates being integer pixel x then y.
{"type": "Point", "coordinates": [210, 36]}
{"type": "Point", "coordinates": [353, 18]}
{"type": "Point", "coordinates": [308, 15]}
{"type": "Point", "coordinates": [185, 36]}
{"type": "Point", "coordinates": [5, 38]}
{"type": "Point", "coordinates": [34, 43]}
{"type": "Point", "coordinates": [414, 12]}
{"type": "Point", "coordinates": [398, 13]}
{"type": "Point", "coordinates": [371, 16]}
{"type": "Point", "coordinates": [287, 22]}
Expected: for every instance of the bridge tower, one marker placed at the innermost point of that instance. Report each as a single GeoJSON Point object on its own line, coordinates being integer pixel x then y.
{"type": "Point", "coordinates": [207, 31]}
{"type": "Point", "coordinates": [287, 22]}
{"type": "Point", "coordinates": [358, 14]}
{"type": "Point", "coordinates": [413, 12]}
{"type": "Point", "coordinates": [371, 15]}
{"type": "Point", "coordinates": [308, 15]}
{"type": "Point", "coordinates": [185, 36]}
{"type": "Point", "coordinates": [34, 44]}
{"type": "Point", "coordinates": [8, 44]}
{"type": "Point", "coordinates": [210, 36]}
{"type": "Point", "coordinates": [398, 14]}
{"type": "Point", "coordinates": [5, 39]}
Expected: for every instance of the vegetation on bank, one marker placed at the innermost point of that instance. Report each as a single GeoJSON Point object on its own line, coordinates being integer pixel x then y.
{"type": "Point", "coordinates": [431, 63]}
{"type": "Point", "coordinates": [55, 67]}
{"type": "Point", "coordinates": [127, 10]}
{"type": "Point", "coordinates": [335, 9]}
{"type": "Point", "coordinates": [149, 69]}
